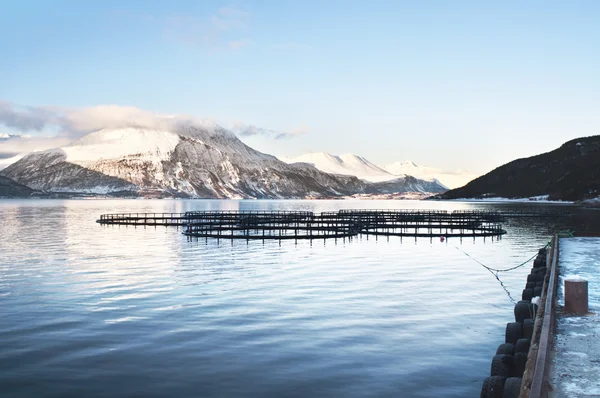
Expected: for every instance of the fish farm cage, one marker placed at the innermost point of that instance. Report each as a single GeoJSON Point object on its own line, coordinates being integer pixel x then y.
{"type": "Point", "coordinates": [308, 225]}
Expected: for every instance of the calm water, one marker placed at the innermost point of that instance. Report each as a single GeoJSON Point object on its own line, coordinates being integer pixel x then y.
{"type": "Point", "coordinates": [96, 311]}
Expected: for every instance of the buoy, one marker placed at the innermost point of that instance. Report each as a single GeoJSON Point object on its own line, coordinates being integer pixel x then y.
{"type": "Point", "coordinates": [442, 238]}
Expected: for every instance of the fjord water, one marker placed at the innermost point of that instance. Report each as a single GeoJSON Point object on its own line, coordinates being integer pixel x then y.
{"type": "Point", "coordinates": [104, 311]}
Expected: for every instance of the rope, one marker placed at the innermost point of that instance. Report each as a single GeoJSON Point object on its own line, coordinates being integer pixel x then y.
{"type": "Point", "coordinates": [499, 270]}
{"type": "Point", "coordinates": [495, 271]}
{"type": "Point", "coordinates": [566, 233]}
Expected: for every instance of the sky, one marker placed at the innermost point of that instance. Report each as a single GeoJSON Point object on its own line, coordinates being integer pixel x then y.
{"type": "Point", "coordinates": [449, 84]}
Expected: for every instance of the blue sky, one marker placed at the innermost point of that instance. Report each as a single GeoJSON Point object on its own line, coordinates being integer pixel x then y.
{"type": "Point", "coordinates": [451, 84]}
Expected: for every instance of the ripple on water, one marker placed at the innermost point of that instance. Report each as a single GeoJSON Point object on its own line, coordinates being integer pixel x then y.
{"type": "Point", "coordinates": [98, 311]}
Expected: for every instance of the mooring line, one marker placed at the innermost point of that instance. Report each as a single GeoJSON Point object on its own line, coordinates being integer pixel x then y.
{"type": "Point", "coordinates": [495, 271]}
{"type": "Point", "coordinates": [499, 270]}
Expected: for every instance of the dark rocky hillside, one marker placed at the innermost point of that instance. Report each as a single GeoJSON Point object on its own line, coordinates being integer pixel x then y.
{"type": "Point", "coordinates": [571, 172]}
{"type": "Point", "coordinates": [12, 189]}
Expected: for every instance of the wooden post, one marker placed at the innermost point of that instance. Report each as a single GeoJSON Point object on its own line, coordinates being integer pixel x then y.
{"type": "Point", "coordinates": [576, 296]}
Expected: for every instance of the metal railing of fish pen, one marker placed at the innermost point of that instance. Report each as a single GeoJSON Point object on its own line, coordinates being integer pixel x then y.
{"type": "Point", "coordinates": [267, 225]}
{"type": "Point", "coordinates": [346, 223]}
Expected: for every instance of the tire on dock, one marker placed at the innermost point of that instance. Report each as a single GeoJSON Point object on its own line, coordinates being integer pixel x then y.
{"type": "Point", "coordinates": [522, 345]}
{"type": "Point", "coordinates": [527, 294]}
{"type": "Point", "coordinates": [512, 387]}
{"type": "Point", "coordinates": [523, 310]}
{"type": "Point", "coordinates": [513, 332]}
{"type": "Point", "coordinates": [519, 361]}
{"type": "Point", "coordinates": [539, 262]}
{"type": "Point", "coordinates": [528, 328]}
{"type": "Point", "coordinates": [493, 387]}
{"type": "Point", "coordinates": [506, 349]}
{"type": "Point", "coordinates": [537, 271]}
{"type": "Point", "coordinates": [502, 365]}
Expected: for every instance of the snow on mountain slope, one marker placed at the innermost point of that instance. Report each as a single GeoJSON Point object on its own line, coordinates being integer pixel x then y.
{"type": "Point", "coordinates": [346, 164]}
{"type": "Point", "coordinates": [450, 179]}
{"type": "Point", "coordinates": [115, 144]}
{"type": "Point", "coordinates": [13, 147]}
{"type": "Point", "coordinates": [200, 161]}
{"type": "Point", "coordinates": [187, 161]}
{"type": "Point", "coordinates": [4, 163]}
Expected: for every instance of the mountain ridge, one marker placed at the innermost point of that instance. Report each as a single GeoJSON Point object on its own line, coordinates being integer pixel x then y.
{"type": "Point", "coordinates": [570, 172]}
{"type": "Point", "coordinates": [346, 164]}
{"type": "Point", "coordinates": [203, 161]}
{"type": "Point", "coordinates": [12, 189]}
{"type": "Point", "coordinates": [350, 164]}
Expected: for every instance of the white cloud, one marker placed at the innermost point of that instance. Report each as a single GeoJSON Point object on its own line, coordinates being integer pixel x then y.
{"type": "Point", "coordinates": [75, 122]}
{"type": "Point", "coordinates": [71, 123]}
{"type": "Point", "coordinates": [248, 130]}
{"type": "Point", "coordinates": [16, 145]}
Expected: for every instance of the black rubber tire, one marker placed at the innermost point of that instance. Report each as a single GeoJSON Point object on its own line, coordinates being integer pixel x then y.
{"type": "Point", "coordinates": [506, 349]}
{"type": "Point", "coordinates": [523, 311]}
{"type": "Point", "coordinates": [530, 285]}
{"type": "Point", "coordinates": [539, 277]}
{"type": "Point", "coordinates": [539, 284]}
{"type": "Point", "coordinates": [519, 362]}
{"type": "Point", "coordinates": [537, 291]}
{"type": "Point", "coordinates": [522, 346]}
{"type": "Point", "coordinates": [539, 262]}
{"type": "Point", "coordinates": [502, 365]}
{"type": "Point", "coordinates": [512, 387]}
{"type": "Point", "coordinates": [531, 278]}
{"type": "Point", "coordinates": [543, 251]}
{"type": "Point", "coordinates": [493, 387]}
{"type": "Point", "coordinates": [539, 271]}
{"type": "Point", "coordinates": [513, 332]}
{"type": "Point", "coordinates": [527, 294]}
{"type": "Point", "coordinates": [528, 328]}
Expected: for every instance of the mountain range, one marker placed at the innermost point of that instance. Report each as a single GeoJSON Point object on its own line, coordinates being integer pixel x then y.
{"type": "Point", "coordinates": [347, 164]}
{"type": "Point", "coordinates": [350, 164]}
{"type": "Point", "coordinates": [188, 160]}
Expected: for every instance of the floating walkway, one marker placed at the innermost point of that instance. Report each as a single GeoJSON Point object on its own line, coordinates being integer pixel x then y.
{"type": "Point", "coordinates": [308, 225]}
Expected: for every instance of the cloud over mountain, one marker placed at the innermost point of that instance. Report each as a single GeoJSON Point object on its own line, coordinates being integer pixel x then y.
{"type": "Point", "coordinates": [75, 122]}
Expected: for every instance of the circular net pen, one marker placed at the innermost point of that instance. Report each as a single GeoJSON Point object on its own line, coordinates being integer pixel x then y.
{"type": "Point", "coordinates": [267, 225]}
{"type": "Point", "coordinates": [429, 223]}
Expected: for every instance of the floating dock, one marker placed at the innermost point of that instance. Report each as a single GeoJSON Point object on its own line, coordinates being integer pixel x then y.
{"type": "Point", "coordinates": [308, 225]}
{"type": "Point", "coordinates": [562, 348]}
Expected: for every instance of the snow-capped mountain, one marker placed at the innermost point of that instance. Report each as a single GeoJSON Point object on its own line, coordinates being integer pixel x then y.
{"type": "Point", "coordinates": [200, 160]}
{"type": "Point", "coordinates": [450, 179]}
{"type": "Point", "coordinates": [364, 169]}
{"type": "Point", "coordinates": [347, 164]}
{"type": "Point", "coordinates": [14, 146]}
{"type": "Point", "coordinates": [187, 161]}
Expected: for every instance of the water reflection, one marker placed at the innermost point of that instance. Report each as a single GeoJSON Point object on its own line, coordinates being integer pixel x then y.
{"type": "Point", "coordinates": [90, 310]}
